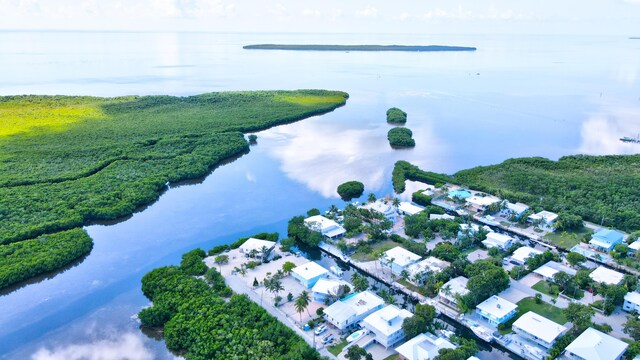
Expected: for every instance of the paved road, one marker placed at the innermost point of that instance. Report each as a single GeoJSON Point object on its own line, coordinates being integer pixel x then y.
{"type": "Point", "coordinates": [238, 286]}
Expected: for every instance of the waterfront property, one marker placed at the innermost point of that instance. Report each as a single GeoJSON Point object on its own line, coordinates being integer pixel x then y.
{"type": "Point", "coordinates": [497, 310]}
{"type": "Point", "coordinates": [544, 218]}
{"type": "Point", "coordinates": [521, 254]}
{"type": "Point", "coordinates": [419, 270]}
{"type": "Point", "coordinates": [606, 239]}
{"type": "Point", "coordinates": [634, 246]}
{"type": "Point", "coordinates": [452, 288]}
{"type": "Point", "coordinates": [586, 251]}
{"type": "Point", "coordinates": [632, 302]}
{"type": "Point", "coordinates": [606, 276]}
{"type": "Point", "coordinates": [538, 329]}
{"type": "Point", "coordinates": [328, 290]}
{"type": "Point", "coordinates": [548, 270]}
{"type": "Point", "coordinates": [253, 247]}
{"type": "Point", "coordinates": [423, 347]}
{"type": "Point", "coordinates": [398, 259]}
{"type": "Point", "coordinates": [497, 240]}
{"type": "Point", "coordinates": [408, 208]}
{"type": "Point", "coordinates": [348, 312]}
{"type": "Point", "coordinates": [326, 227]}
{"type": "Point", "coordinates": [429, 190]}
{"type": "Point", "coordinates": [381, 206]}
{"type": "Point", "coordinates": [441, 217]}
{"type": "Point", "coordinates": [595, 345]}
{"type": "Point", "coordinates": [461, 194]}
{"type": "Point", "coordinates": [386, 324]}
{"type": "Point", "coordinates": [516, 210]}
{"type": "Point", "coordinates": [308, 274]}
{"type": "Point", "coordinates": [481, 203]}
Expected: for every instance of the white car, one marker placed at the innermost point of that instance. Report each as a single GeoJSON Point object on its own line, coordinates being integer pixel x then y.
{"type": "Point", "coordinates": [320, 329]}
{"type": "Point", "coordinates": [327, 339]}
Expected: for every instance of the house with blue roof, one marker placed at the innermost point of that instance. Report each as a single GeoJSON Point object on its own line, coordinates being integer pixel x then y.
{"type": "Point", "coordinates": [606, 239]}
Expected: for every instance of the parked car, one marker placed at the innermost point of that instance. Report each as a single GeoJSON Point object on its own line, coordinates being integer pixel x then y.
{"type": "Point", "coordinates": [327, 339]}
{"type": "Point", "coordinates": [320, 329]}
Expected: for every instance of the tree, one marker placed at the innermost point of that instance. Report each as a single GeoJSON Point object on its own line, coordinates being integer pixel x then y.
{"type": "Point", "coordinates": [575, 258]}
{"type": "Point", "coordinates": [632, 327]}
{"type": "Point", "coordinates": [633, 350]}
{"type": "Point", "coordinates": [273, 285]}
{"type": "Point", "coordinates": [579, 315]}
{"type": "Point", "coordinates": [413, 326]}
{"type": "Point", "coordinates": [320, 311]}
{"type": "Point", "coordinates": [566, 221]}
{"type": "Point", "coordinates": [221, 260]}
{"type": "Point", "coordinates": [396, 202]}
{"type": "Point", "coordinates": [371, 198]}
{"type": "Point", "coordinates": [426, 312]}
{"type": "Point", "coordinates": [288, 266]}
{"type": "Point", "coordinates": [350, 190]}
{"type": "Point", "coordinates": [355, 353]}
{"type": "Point", "coordinates": [305, 300]}
{"type": "Point", "coordinates": [360, 283]}
{"type": "Point", "coordinates": [255, 283]}
{"type": "Point", "coordinates": [446, 251]}
{"type": "Point", "coordinates": [300, 305]}
{"type": "Point", "coordinates": [289, 296]}
{"type": "Point", "coordinates": [313, 212]}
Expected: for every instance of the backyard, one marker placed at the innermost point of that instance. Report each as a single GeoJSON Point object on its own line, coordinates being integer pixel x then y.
{"type": "Point", "coordinates": [568, 239]}
{"type": "Point", "coordinates": [547, 288]}
{"type": "Point", "coordinates": [543, 309]}
{"type": "Point", "coordinates": [370, 252]}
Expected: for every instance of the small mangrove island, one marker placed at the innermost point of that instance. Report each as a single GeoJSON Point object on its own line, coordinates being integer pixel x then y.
{"type": "Point", "coordinates": [400, 138]}
{"type": "Point", "coordinates": [413, 48]}
{"type": "Point", "coordinates": [396, 116]}
{"type": "Point", "coordinates": [71, 160]}
{"type": "Point", "coordinates": [350, 190]}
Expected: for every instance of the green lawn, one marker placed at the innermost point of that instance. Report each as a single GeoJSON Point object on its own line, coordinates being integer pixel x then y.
{"type": "Point", "coordinates": [337, 349]}
{"type": "Point", "coordinates": [529, 304]}
{"type": "Point", "coordinates": [567, 239]}
{"type": "Point", "coordinates": [545, 287]}
{"type": "Point", "coordinates": [375, 249]}
{"type": "Point", "coordinates": [391, 357]}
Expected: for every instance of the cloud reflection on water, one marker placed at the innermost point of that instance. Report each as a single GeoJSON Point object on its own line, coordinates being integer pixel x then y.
{"type": "Point", "coordinates": [127, 346]}
{"type": "Point", "coordinates": [601, 132]}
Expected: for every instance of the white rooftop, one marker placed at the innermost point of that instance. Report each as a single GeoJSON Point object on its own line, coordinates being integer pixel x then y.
{"type": "Point", "coordinates": [409, 208]}
{"type": "Point", "coordinates": [423, 347]}
{"type": "Point", "coordinates": [607, 276]}
{"type": "Point", "coordinates": [595, 345]}
{"type": "Point", "coordinates": [401, 256]}
{"type": "Point", "coordinates": [551, 268]}
{"type": "Point", "coordinates": [457, 285]}
{"type": "Point", "coordinates": [380, 207]}
{"type": "Point", "coordinates": [496, 239]}
{"type": "Point", "coordinates": [523, 253]}
{"type": "Point", "coordinates": [441, 217]}
{"type": "Point", "coordinates": [309, 270]}
{"type": "Point", "coordinates": [328, 286]}
{"type": "Point", "coordinates": [635, 245]}
{"type": "Point", "coordinates": [429, 264]}
{"type": "Point", "coordinates": [323, 225]}
{"type": "Point", "coordinates": [387, 320]}
{"type": "Point", "coordinates": [539, 326]}
{"type": "Point", "coordinates": [632, 297]}
{"type": "Point", "coordinates": [473, 228]}
{"type": "Point", "coordinates": [482, 200]}
{"type": "Point", "coordinates": [496, 306]}
{"type": "Point", "coordinates": [545, 215]}
{"type": "Point", "coordinates": [517, 208]}
{"type": "Point", "coordinates": [354, 305]}
{"type": "Point", "coordinates": [256, 244]}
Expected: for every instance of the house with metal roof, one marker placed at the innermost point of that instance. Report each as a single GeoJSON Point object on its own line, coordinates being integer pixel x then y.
{"type": "Point", "coordinates": [606, 276]}
{"type": "Point", "coordinates": [496, 310]}
{"type": "Point", "coordinates": [497, 240]}
{"type": "Point", "coordinates": [450, 290]}
{"type": "Point", "coordinates": [632, 302]}
{"type": "Point", "coordinates": [398, 259]}
{"type": "Point", "coordinates": [423, 347]}
{"type": "Point", "coordinates": [326, 227]}
{"type": "Point", "coordinates": [308, 274]}
{"type": "Point", "coordinates": [548, 270]}
{"type": "Point", "coordinates": [595, 345]}
{"type": "Point", "coordinates": [538, 329]}
{"type": "Point", "coordinates": [386, 324]}
{"type": "Point", "coordinates": [606, 239]}
{"type": "Point", "coordinates": [523, 253]}
{"type": "Point", "coordinates": [348, 312]}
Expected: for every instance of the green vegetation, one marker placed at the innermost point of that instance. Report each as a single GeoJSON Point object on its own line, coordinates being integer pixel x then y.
{"type": "Point", "coordinates": [22, 260]}
{"type": "Point", "coordinates": [372, 252]}
{"type": "Point", "coordinates": [547, 288]}
{"type": "Point", "coordinates": [403, 171]}
{"type": "Point", "coordinates": [337, 348]}
{"type": "Point", "coordinates": [350, 190]}
{"type": "Point", "coordinates": [421, 199]}
{"type": "Point", "coordinates": [465, 350]}
{"type": "Point", "coordinates": [200, 324]}
{"type": "Point", "coordinates": [420, 322]}
{"type": "Point", "coordinates": [400, 137]}
{"type": "Point", "coordinates": [568, 239]}
{"type": "Point", "coordinates": [67, 161]}
{"type": "Point", "coordinates": [396, 116]}
{"type": "Point", "coordinates": [485, 279]}
{"type": "Point", "coordinates": [543, 309]}
{"type": "Point", "coordinates": [358, 47]}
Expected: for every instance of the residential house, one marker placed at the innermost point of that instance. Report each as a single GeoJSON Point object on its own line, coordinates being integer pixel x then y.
{"type": "Point", "coordinates": [423, 347]}
{"type": "Point", "coordinates": [538, 329]}
{"type": "Point", "coordinates": [497, 240]}
{"type": "Point", "coordinates": [634, 246]}
{"type": "Point", "coordinates": [398, 259]}
{"type": "Point", "coordinates": [586, 251]}
{"type": "Point", "coordinates": [408, 208]}
{"type": "Point", "coordinates": [496, 310]}
{"type": "Point", "coordinates": [386, 324]}
{"type": "Point", "coordinates": [380, 206]}
{"type": "Point", "coordinates": [347, 313]}
{"type": "Point", "coordinates": [606, 239]}
{"type": "Point", "coordinates": [418, 270]}
{"type": "Point", "coordinates": [460, 194]}
{"type": "Point", "coordinates": [441, 217]}
{"type": "Point", "coordinates": [544, 218]}
{"type": "Point", "coordinates": [516, 210]}
{"type": "Point", "coordinates": [481, 203]}
{"type": "Point", "coordinates": [328, 290]}
{"type": "Point", "coordinates": [308, 274]}
{"type": "Point", "coordinates": [521, 254]}
{"type": "Point", "coordinates": [606, 276]}
{"type": "Point", "coordinates": [632, 302]}
{"type": "Point", "coordinates": [451, 289]}
{"type": "Point", "coordinates": [548, 270]}
{"type": "Point", "coordinates": [429, 190]}
{"type": "Point", "coordinates": [595, 345]}
{"type": "Point", "coordinates": [257, 247]}
{"type": "Point", "coordinates": [326, 227]}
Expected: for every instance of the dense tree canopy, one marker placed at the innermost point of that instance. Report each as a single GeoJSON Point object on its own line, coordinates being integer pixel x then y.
{"type": "Point", "coordinates": [350, 190]}
{"type": "Point", "coordinates": [396, 116]}
{"type": "Point", "coordinates": [401, 137]}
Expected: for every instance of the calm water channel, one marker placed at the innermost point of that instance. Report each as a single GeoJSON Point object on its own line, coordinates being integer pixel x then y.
{"type": "Point", "coordinates": [515, 96]}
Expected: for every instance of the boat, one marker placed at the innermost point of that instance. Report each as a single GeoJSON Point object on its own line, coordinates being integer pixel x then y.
{"type": "Point", "coordinates": [356, 335]}
{"type": "Point", "coordinates": [629, 139]}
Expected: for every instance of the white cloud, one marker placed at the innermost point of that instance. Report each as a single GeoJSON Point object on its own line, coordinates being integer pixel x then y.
{"type": "Point", "coordinates": [311, 12]}
{"type": "Point", "coordinates": [125, 347]}
{"type": "Point", "coordinates": [368, 12]}
{"type": "Point", "coordinates": [601, 133]}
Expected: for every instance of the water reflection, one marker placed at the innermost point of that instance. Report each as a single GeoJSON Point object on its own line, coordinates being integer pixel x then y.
{"type": "Point", "coordinates": [601, 132]}
{"type": "Point", "coordinates": [128, 346]}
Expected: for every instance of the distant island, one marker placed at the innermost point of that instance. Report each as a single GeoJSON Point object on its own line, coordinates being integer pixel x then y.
{"type": "Point", "coordinates": [358, 47]}
{"type": "Point", "coordinates": [635, 38]}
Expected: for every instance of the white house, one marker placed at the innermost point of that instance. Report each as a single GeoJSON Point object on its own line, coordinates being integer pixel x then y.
{"type": "Point", "coordinates": [258, 245]}
{"type": "Point", "coordinates": [388, 210]}
{"type": "Point", "coordinates": [386, 324]}
{"type": "Point", "coordinates": [497, 240]}
{"type": "Point", "coordinates": [546, 218]}
{"type": "Point", "coordinates": [548, 270]}
{"type": "Point", "coordinates": [308, 274]}
{"type": "Point", "coordinates": [327, 227]}
{"type": "Point", "coordinates": [481, 203]}
{"type": "Point", "coordinates": [398, 259]}
{"type": "Point", "coordinates": [328, 288]}
{"type": "Point", "coordinates": [496, 310]}
{"type": "Point", "coordinates": [538, 329]}
{"type": "Point", "coordinates": [419, 269]}
{"type": "Point", "coordinates": [455, 286]}
{"type": "Point", "coordinates": [441, 217]}
{"type": "Point", "coordinates": [516, 209]}
{"type": "Point", "coordinates": [606, 276]}
{"type": "Point", "coordinates": [634, 246]}
{"type": "Point", "coordinates": [423, 347]}
{"type": "Point", "coordinates": [632, 302]}
{"type": "Point", "coordinates": [521, 254]}
{"type": "Point", "coordinates": [348, 312]}
{"type": "Point", "coordinates": [408, 208]}
{"type": "Point", "coordinates": [595, 345]}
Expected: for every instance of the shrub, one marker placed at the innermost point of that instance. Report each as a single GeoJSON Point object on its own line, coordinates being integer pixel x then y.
{"type": "Point", "coordinates": [421, 199]}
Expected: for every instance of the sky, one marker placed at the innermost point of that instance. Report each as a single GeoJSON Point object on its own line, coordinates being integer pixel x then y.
{"type": "Point", "coordinates": [615, 17]}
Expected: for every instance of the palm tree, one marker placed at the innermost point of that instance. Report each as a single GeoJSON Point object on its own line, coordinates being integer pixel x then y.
{"type": "Point", "coordinates": [300, 305]}
{"type": "Point", "coordinates": [396, 202]}
{"type": "Point", "coordinates": [253, 253]}
{"type": "Point", "coordinates": [306, 300]}
{"type": "Point", "coordinates": [371, 198]}
{"type": "Point", "coordinates": [264, 251]}
{"type": "Point", "coordinates": [273, 285]}
{"type": "Point", "coordinates": [447, 290]}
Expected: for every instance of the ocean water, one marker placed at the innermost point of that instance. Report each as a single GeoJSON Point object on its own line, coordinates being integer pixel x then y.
{"type": "Point", "coordinates": [515, 96]}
